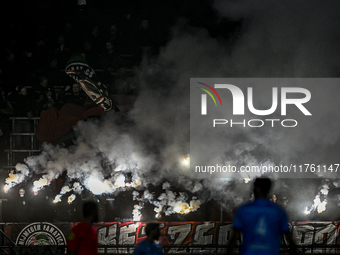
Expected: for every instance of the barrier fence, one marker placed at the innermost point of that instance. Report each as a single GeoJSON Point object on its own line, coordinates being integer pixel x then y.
{"type": "Point", "coordinates": [129, 249]}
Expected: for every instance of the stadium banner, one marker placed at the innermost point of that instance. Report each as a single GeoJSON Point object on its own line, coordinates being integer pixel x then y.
{"type": "Point", "coordinates": [173, 235]}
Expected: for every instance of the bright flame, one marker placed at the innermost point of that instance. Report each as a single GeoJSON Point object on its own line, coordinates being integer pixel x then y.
{"type": "Point", "coordinates": [57, 199]}
{"type": "Point", "coordinates": [182, 208]}
{"type": "Point", "coordinates": [120, 182]}
{"type": "Point", "coordinates": [12, 178]}
{"type": "Point", "coordinates": [96, 186]}
{"type": "Point", "coordinates": [71, 198]}
{"type": "Point", "coordinates": [6, 188]}
{"type": "Point", "coordinates": [185, 208]}
{"type": "Point", "coordinates": [322, 206]}
{"type": "Point", "coordinates": [136, 213]}
{"type": "Point", "coordinates": [136, 183]}
{"type": "Point", "coordinates": [65, 189]}
{"type": "Point", "coordinates": [186, 160]}
{"type": "Point", "coordinates": [306, 210]}
{"type": "Point", "coordinates": [77, 187]}
{"type": "Point", "coordinates": [324, 190]}
{"type": "Point", "coordinates": [43, 181]}
{"type": "Point", "coordinates": [319, 206]}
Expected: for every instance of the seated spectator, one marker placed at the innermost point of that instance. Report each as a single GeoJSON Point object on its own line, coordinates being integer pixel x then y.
{"type": "Point", "coordinates": [127, 39]}
{"type": "Point", "coordinates": [40, 53]}
{"type": "Point", "coordinates": [71, 36]}
{"type": "Point", "coordinates": [74, 95]}
{"type": "Point", "coordinates": [145, 35]}
{"type": "Point", "coordinates": [121, 85]}
{"type": "Point", "coordinates": [62, 52]}
{"type": "Point", "coordinates": [9, 72]}
{"type": "Point", "coordinates": [113, 33]}
{"type": "Point", "coordinates": [90, 54]}
{"type": "Point", "coordinates": [55, 76]}
{"type": "Point", "coordinates": [23, 102]}
{"type": "Point", "coordinates": [5, 111]}
{"type": "Point", "coordinates": [5, 106]}
{"type": "Point", "coordinates": [111, 59]}
{"type": "Point", "coordinates": [96, 39]}
{"type": "Point", "coordinates": [24, 105]}
{"type": "Point", "coordinates": [47, 102]}
{"type": "Point", "coordinates": [43, 88]}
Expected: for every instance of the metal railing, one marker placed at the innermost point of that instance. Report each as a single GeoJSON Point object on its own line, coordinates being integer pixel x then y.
{"type": "Point", "coordinates": [31, 149]}
{"type": "Point", "coordinates": [168, 249]}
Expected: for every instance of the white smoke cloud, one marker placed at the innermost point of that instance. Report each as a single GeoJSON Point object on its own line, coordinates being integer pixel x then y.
{"type": "Point", "coordinates": [320, 201]}
{"type": "Point", "coordinates": [277, 39]}
{"type": "Point", "coordinates": [22, 172]}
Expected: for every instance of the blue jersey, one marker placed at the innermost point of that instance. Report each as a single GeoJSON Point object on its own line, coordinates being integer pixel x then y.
{"type": "Point", "coordinates": [147, 248]}
{"type": "Point", "coordinates": [262, 224]}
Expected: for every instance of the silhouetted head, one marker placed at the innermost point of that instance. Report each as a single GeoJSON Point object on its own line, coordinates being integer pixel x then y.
{"type": "Point", "coordinates": [90, 211]}
{"type": "Point", "coordinates": [262, 187]}
{"type": "Point", "coordinates": [75, 89]}
{"type": "Point", "coordinates": [152, 231]}
{"type": "Point", "coordinates": [43, 81]}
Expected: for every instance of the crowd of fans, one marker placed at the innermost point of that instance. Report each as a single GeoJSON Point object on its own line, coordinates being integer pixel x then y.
{"type": "Point", "coordinates": [32, 77]}
{"type": "Point", "coordinates": [113, 51]}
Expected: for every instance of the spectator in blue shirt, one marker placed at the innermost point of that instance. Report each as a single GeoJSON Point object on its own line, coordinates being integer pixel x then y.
{"type": "Point", "coordinates": [149, 245]}
{"type": "Point", "coordinates": [262, 224]}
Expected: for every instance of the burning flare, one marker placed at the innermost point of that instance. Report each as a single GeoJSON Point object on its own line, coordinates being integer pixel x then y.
{"type": "Point", "coordinates": [43, 181]}
{"type": "Point", "coordinates": [71, 198]}
{"type": "Point", "coordinates": [137, 216]}
{"type": "Point", "coordinates": [13, 179]}
{"type": "Point", "coordinates": [57, 199]}
{"type": "Point", "coordinates": [96, 186]}
{"type": "Point", "coordinates": [318, 205]}
{"type": "Point", "coordinates": [186, 160]}
{"type": "Point", "coordinates": [77, 188]}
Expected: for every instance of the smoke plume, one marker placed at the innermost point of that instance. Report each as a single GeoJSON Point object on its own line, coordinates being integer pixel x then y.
{"type": "Point", "coordinates": [277, 39]}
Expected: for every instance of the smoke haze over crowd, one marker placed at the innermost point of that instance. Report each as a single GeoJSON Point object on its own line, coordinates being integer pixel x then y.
{"type": "Point", "coordinates": [277, 39]}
